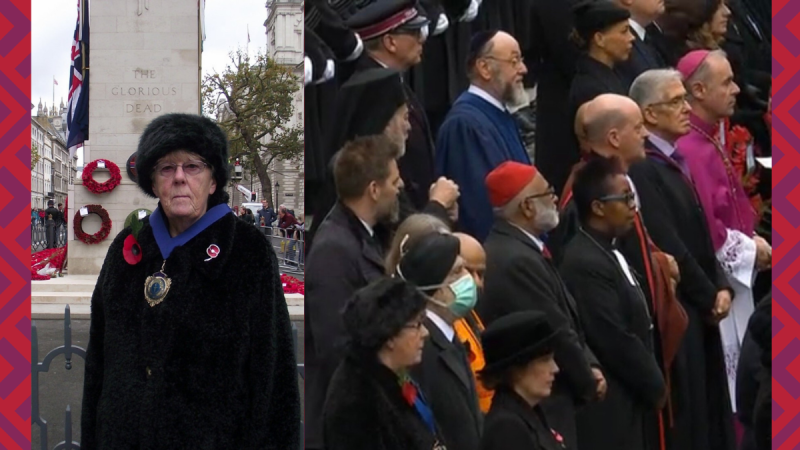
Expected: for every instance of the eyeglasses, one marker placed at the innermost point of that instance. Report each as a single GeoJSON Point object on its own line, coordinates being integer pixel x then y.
{"type": "Point", "coordinates": [629, 199]}
{"type": "Point", "coordinates": [190, 168]}
{"type": "Point", "coordinates": [516, 61]}
{"type": "Point", "coordinates": [674, 103]}
{"type": "Point", "coordinates": [414, 326]}
{"type": "Point", "coordinates": [551, 191]}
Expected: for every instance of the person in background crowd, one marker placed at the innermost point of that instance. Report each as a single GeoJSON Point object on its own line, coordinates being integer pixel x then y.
{"type": "Point", "coordinates": [372, 402]}
{"type": "Point", "coordinates": [675, 221]}
{"type": "Point", "coordinates": [479, 133]}
{"type": "Point", "coordinates": [212, 324]}
{"type": "Point", "coordinates": [345, 257]}
{"type": "Point", "coordinates": [34, 216]}
{"type": "Point", "coordinates": [708, 79]}
{"type": "Point", "coordinates": [643, 56]}
{"type": "Point", "coordinates": [614, 312]}
{"type": "Point", "coordinates": [394, 32]}
{"type": "Point", "coordinates": [753, 375]}
{"type": "Point", "coordinates": [433, 264]}
{"type": "Point", "coordinates": [63, 218]}
{"type": "Point", "coordinates": [266, 213]}
{"type": "Point", "coordinates": [41, 216]}
{"type": "Point", "coordinates": [286, 221]}
{"type": "Point", "coordinates": [518, 264]}
{"type": "Point", "coordinates": [521, 369]}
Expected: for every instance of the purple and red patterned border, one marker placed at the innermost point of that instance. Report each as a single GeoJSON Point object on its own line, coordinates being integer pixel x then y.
{"type": "Point", "coordinates": [15, 234]}
{"type": "Point", "coordinates": [786, 220]}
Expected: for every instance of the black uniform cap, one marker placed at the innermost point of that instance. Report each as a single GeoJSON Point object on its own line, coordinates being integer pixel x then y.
{"type": "Point", "coordinates": [384, 16]}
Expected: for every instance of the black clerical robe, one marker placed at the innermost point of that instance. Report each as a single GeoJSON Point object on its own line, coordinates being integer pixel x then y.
{"type": "Point", "coordinates": [519, 277]}
{"type": "Point", "coordinates": [676, 223]}
{"type": "Point", "coordinates": [615, 315]}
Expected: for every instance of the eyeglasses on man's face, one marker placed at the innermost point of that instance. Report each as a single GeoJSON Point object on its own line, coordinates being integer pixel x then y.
{"type": "Point", "coordinates": [190, 168]}
{"type": "Point", "coordinates": [549, 192]}
{"type": "Point", "coordinates": [673, 103]}
{"type": "Point", "coordinates": [515, 61]}
{"type": "Point", "coordinates": [629, 199]}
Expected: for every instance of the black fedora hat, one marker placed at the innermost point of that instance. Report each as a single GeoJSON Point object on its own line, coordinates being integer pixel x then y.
{"type": "Point", "coordinates": [516, 339]}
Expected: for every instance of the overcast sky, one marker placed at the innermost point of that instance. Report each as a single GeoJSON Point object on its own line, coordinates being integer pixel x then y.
{"type": "Point", "coordinates": [53, 25]}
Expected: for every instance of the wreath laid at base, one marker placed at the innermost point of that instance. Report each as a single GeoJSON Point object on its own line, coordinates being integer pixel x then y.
{"type": "Point", "coordinates": [101, 235]}
{"type": "Point", "coordinates": [106, 186]}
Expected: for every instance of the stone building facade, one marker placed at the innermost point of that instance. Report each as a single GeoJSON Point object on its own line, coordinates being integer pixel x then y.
{"type": "Point", "coordinates": [55, 170]}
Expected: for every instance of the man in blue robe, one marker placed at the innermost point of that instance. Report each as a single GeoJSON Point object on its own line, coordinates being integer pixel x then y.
{"type": "Point", "coordinates": [479, 132]}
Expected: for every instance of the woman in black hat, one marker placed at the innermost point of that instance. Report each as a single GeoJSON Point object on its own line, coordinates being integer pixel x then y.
{"type": "Point", "coordinates": [604, 35]}
{"type": "Point", "coordinates": [520, 368]}
{"type": "Point", "coordinates": [372, 402]}
{"type": "Point", "coordinates": [190, 344]}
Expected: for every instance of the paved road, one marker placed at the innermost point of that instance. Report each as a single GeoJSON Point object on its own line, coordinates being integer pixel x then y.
{"type": "Point", "coordinates": [60, 387]}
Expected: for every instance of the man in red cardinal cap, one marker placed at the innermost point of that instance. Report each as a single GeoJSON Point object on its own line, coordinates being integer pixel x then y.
{"type": "Point", "coordinates": [520, 276]}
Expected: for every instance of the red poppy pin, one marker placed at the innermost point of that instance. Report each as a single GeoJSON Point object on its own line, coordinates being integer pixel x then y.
{"type": "Point", "coordinates": [212, 251]}
{"type": "Point", "coordinates": [558, 437]}
{"type": "Point", "coordinates": [131, 250]}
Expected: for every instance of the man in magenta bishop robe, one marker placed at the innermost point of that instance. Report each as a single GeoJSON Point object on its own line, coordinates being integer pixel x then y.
{"type": "Point", "coordinates": [731, 218]}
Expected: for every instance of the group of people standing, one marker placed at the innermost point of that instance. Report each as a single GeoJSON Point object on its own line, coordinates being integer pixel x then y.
{"type": "Point", "coordinates": [465, 291]}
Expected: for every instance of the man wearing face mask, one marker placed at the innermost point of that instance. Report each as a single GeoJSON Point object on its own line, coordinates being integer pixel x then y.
{"type": "Point", "coordinates": [434, 265]}
{"type": "Point", "coordinates": [470, 328]}
{"type": "Point", "coordinates": [520, 276]}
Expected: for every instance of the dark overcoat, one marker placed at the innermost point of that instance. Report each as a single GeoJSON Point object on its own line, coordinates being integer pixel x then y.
{"type": "Point", "coordinates": [519, 278]}
{"type": "Point", "coordinates": [512, 424]}
{"type": "Point", "coordinates": [446, 381]}
{"type": "Point", "coordinates": [675, 221]}
{"type": "Point", "coordinates": [616, 317]}
{"type": "Point", "coordinates": [344, 259]}
{"type": "Point", "coordinates": [643, 57]}
{"type": "Point", "coordinates": [212, 366]}
{"type": "Point", "coordinates": [365, 410]}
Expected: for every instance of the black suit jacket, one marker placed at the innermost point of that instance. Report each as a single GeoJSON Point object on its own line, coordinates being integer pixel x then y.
{"type": "Point", "coordinates": [519, 278]}
{"type": "Point", "coordinates": [619, 330]}
{"type": "Point", "coordinates": [447, 383]}
{"type": "Point", "coordinates": [643, 58]}
{"type": "Point", "coordinates": [343, 260]}
{"type": "Point", "coordinates": [512, 424]}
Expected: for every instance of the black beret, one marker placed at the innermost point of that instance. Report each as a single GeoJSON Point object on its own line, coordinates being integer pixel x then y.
{"type": "Point", "coordinates": [428, 261]}
{"type": "Point", "coordinates": [379, 311]}
{"type": "Point", "coordinates": [188, 132]}
{"type": "Point", "coordinates": [592, 16]}
{"type": "Point", "coordinates": [383, 16]}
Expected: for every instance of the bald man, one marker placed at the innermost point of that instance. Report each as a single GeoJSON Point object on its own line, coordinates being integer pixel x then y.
{"type": "Point", "coordinates": [469, 329]}
{"type": "Point", "coordinates": [479, 133]}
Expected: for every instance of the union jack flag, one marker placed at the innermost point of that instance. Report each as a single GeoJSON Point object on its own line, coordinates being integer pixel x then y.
{"type": "Point", "coordinates": [78, 103]}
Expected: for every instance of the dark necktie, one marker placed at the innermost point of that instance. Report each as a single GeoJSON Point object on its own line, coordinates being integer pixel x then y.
{"type": "Point", "coordinates": [547, 255]}
{"type": "Point", "coordinates": [681, 161]}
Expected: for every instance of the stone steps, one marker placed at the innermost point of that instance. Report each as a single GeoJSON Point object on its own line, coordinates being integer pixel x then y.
{"type": "Point", "coordinates": [50, 297]}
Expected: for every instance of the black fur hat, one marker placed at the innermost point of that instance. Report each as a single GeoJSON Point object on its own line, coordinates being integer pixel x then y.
{"type": "Point", "coordinates": [189, 132]}
{"type": "Point", "coordinates": [379, 311]}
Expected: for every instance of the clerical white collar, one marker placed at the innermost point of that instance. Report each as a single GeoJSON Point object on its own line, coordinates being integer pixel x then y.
{"type": "Point", "coordinates": [475, 90]}
{"type": "Point", "coordinates": [662, 145]}
{"type": "Point", "coordinates": [443, 326]}
{"type": "Point", "coordinates": [535, 239]}
{"type": "Point", "coordinates": [638, 29]}
{"type": "Point", "coordinates": [380, 63]}
{"type": "Point", "coordinates": [369, 228]}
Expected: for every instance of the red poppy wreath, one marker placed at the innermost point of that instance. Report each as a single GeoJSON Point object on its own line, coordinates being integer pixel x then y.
{"type": "Point", "coordinates": [107, 186]}
{"type": "Point", "coordinates": [105, 228]}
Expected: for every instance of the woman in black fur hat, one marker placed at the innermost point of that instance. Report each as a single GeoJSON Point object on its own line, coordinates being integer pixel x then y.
{"type": "Point", "coordinates": [519, 351]}
{"type": "Point", "coordinates": [372, 402]}
{"type": "Point", "coordinates": [190, 344]}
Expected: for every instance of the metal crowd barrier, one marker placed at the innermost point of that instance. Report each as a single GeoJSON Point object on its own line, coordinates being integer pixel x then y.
{"type": "Point", "coordinates": [68, 350]}
{"type": "Point", "coordinates": [289, 246]}
{"type": "Point", "coordinates": [47, 236]}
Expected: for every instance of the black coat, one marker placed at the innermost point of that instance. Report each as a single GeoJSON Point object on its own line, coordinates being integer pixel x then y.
{"type": "Point", "coordinates": [592, 78]}
{"type": "Point", "coordinates": [619, 330]}
{"type": "Point", "coordinates": [446, 381]}
{"type": "Point", "coordinates": [643, 57]}
{"type": "Point", "coordinates": [519, 278]}
{"type": "Point", "coordinates": [365, 410]}
{"type": "Point", "coordinates": [512, 424]}
{"type": "Point", "coordinates": [553, 56]}
{"type": "Point", "coordinates": [344, 259]}
{"type": "Point", "coordinates": [675, 221]}
{"type": "Point", "coordinates": [212, 366]}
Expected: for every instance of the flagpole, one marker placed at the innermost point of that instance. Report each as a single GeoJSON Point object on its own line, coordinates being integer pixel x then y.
{"type": "Point", "coordinates": [54, 91]}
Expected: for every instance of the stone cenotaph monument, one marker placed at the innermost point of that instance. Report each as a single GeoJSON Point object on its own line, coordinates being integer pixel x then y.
{"type": "Point", "coordinates": [145, 61]}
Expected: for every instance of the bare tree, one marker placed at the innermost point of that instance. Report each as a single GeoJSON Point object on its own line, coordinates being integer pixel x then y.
{"type": "Point", "coordinates": [252, 100]}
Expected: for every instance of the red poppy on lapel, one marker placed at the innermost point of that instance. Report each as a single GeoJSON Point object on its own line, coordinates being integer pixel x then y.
{"type": "Point", "coordinates": [131, 250]}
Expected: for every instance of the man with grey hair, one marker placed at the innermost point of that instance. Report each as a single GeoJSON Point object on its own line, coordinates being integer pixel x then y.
{"type": "Point", "coordinates": [479, 132]}
{"type": "Point", "coordinates": [520, 276]}
{"type": "Point", "coordinates": [676, 222]}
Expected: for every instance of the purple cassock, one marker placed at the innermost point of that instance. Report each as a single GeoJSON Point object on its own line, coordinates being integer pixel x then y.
{"type": "Point", "coordinates": [731, 221]}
